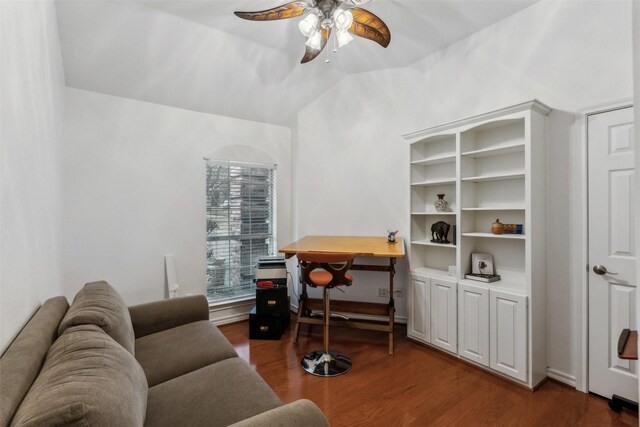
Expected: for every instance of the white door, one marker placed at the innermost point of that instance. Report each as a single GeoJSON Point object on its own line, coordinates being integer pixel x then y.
{"type": "Point", "coordinates": [612, 222]}
{"type": "Point", "coordinates": [508, 333]}
{"type": "Point", "coordinates": [444, 316]}
{"type": "Point", "coordinates": [473, 323]}
{"type": "Point", "coordinates": [419, 298]}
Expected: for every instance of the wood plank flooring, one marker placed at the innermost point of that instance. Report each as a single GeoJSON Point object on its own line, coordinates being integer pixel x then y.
{"type": "Point", "coordinates": [418, 386]}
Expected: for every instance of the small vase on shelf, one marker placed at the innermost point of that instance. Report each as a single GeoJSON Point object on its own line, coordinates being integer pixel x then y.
{"type": "Point", "coordinates": [497, 227]}
{"type": "Point", "coordinates": [441, 204]}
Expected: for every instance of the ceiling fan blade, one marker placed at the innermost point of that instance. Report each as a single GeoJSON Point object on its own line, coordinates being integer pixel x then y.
{"type": "Point", "coordinates": [284, 11]}
{"type": "Point", "coordinates": [311, 54]}
{"type": "Point", "coordinates": [369, 26]}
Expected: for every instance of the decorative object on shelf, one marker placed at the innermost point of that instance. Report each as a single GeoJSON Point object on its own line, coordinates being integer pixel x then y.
{"type": "Point", "coordinates": [454, 235]}
{"type": "Point", "coordinates": [481, 264]}
{"type": "Point", "coordinates": [497, 227]}
{"type": "Point", "coordinates": [439, 232]}
{"type": "Point", "coordinates": [513, 228]}
{"type": "Point", "coordinates": [486, 278]}
{"type": "Point", "coordinates": [323, 16]}
{"type": "Point", "coordinates": [391, 236]}
{"type": "Point", "coordinates": [452, 271]}
{"type": "Point", "coordinates": [441, 204]}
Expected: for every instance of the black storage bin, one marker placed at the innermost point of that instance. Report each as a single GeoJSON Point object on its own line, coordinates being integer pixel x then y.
{"type": "Point", "coordinates": [267, 326]}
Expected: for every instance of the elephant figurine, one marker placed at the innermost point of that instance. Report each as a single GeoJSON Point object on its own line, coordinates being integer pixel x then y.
{"type": "Point", "coordinates": [439, 232]}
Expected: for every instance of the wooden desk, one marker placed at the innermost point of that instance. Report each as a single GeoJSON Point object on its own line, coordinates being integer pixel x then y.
{"type": "Point", "coordinates": [362, 246]}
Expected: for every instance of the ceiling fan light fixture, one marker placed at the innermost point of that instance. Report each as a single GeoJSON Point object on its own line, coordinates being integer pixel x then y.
{"type": "Point", "coordinates": [309, 25]}
{"type": "Point", "coordinates": [315, 41]}
{"type": "Point", "coordinates": [320, 18]}
{"type": "Point", "coordinates": [343, 37]}
{"type": "Point", "coordinates": [343, 19]}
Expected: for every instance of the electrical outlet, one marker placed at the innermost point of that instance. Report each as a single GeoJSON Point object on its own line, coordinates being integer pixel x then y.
{"type": "Point", "coordinates": [383, 292]}
{"type": "Point", "coordinates": [398, 293]}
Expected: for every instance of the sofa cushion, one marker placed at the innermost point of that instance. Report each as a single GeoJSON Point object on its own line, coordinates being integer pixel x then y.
{"type": "Point", "coordinates": [302, 412]}
{"type": "Point", "coordinates": [216, 395]}
{"type": "Point", "coordinates": [177, 351]}
{"type": "Point", "coordinates": [98, 303]}
{"type": "Point", "coordinates": [87, 379]}
{"type": "Point", "coordinates": [21, 363]}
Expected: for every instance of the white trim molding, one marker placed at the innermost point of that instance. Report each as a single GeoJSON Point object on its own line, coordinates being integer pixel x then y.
{"type": "Point", "coordinates": [563, 377]}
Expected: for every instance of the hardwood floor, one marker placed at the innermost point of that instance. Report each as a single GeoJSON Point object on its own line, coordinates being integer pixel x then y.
{"type": "Point", "coordinates": [418, 386]}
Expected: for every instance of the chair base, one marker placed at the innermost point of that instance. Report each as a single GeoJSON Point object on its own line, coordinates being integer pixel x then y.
{"type": "Point", "coordinates": [323, 364]}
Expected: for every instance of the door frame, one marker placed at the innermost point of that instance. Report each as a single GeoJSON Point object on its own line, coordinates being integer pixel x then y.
{"type": "Point", "coordinates": [580, 229]}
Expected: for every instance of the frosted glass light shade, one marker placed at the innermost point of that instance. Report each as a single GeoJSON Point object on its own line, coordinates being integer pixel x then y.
{"type": "Point", "coordinates": [315, 41]}
{"type": "Point", "coordinates": [343, 37]}
{"type": "Point", "coordinates": [309, 25]}
{"type": "Point", "coordinates": [343, 19]}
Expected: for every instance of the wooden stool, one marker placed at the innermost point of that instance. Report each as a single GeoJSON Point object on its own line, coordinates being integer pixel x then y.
{"type": "Point", "coordinates": [333, 272]}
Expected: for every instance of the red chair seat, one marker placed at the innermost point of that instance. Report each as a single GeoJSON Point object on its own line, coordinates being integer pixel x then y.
{"type": "Point", "coordinates": [322, 278]}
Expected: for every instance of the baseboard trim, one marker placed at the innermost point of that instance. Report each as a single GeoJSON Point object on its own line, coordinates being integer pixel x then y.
{"type": "Point", "coordinates": [562, 377]}
{"type": "Point", "coordinates": [239, 311]}
{"type": "Point", "coordinates": [398, 319]}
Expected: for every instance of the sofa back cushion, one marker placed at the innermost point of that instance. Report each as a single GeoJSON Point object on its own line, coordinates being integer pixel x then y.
{"type": "Point", "coordinates": [98, 303]}
{"type": "Point", "coordinates": [23, 359]}
{"type": "Point", "coordinates": [87, 379]}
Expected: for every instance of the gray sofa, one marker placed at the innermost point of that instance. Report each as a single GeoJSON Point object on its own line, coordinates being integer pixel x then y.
{"type": "Point", "coordinates": [100, 363]}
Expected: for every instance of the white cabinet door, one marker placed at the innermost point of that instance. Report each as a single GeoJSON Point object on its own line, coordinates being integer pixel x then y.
{"type": "Point", "coordinates": [508, 333]}
{"type": "Point", "coordinates": [473, 323]}
{"type": "Point", "coordinates": [418, 308]}
{"type": "Point", "coordinates": [444, 317]}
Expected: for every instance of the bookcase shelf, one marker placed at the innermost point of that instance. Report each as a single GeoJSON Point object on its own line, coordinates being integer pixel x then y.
{"type": "Point", "coordinates": [429, 243]}
{"type": "Point", "coordinates": [495, 236]}
{"type": "Point", "coordinates": [495, 151]}
{"type": "Point", "coordinates": [496, 208]}
{"type": "Point", "coordinates": [433, 213]}
{"type": "Point", "coordinates": [434, 182]}
{"type": "Point", "coordinates": [489, 167]}
{"type": "Point", "coordinates": [496, 177]}
{"type": "Point", "coordinates": [435, 160]}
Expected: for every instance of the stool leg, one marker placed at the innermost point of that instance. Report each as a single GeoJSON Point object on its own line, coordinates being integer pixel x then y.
{"type": "Point", "coordinates": [325, 363]}
{"type": "Point", "coordinates": [327, 317]}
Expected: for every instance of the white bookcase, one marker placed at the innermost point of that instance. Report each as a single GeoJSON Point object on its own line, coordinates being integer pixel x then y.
{"type": "Point", "coordinates": [489, 166]}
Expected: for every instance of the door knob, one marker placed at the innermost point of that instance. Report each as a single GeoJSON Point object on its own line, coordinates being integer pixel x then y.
{"type": "Point", "coordinates": [601, 269]}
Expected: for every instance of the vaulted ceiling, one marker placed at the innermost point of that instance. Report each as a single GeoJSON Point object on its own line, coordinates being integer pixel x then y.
{"type": "Point", "coordinates": [195, 54]}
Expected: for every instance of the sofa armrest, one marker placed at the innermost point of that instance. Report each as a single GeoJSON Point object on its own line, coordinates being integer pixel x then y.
{"type": "Point", "coordinates": [165, 314]}
{"type": "Point", "coordinates": [299, 413]}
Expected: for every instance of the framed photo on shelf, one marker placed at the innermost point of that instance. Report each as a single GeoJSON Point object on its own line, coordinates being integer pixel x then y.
{"type": "Point", "coordinates": [482, 264]}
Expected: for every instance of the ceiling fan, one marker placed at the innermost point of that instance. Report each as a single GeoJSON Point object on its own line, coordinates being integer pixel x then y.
{"type": "Point", "coordinates": [323, 16]}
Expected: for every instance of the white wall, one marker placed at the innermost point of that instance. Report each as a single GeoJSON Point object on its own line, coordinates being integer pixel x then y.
{"type": "Point", "coordinates": [134, 180]}
{"type": "Point", "coordinates": [31, 123]}
{"type": "Point", "coordinates": [353, 173]}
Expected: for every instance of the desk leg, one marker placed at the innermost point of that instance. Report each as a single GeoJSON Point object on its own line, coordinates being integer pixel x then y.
{"type": "Point", "coordinates": [392, 308]}
{"type": "Point", "coordinates": [302, 307]}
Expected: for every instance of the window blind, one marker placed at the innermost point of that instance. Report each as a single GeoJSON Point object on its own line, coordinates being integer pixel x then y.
{"type": "Point", "coordinates": [241, 225]}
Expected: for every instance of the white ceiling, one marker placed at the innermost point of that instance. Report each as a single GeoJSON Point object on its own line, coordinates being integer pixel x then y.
{"type": "Point", "coordinates": [196, 54]}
